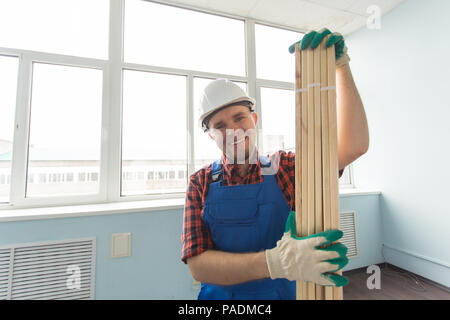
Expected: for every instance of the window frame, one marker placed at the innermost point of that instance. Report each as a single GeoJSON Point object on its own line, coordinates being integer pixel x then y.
{"type": "Point", "coordinates": [111, 127]}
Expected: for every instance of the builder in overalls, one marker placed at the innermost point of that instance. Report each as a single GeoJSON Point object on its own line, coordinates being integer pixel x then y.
{"type": "Point", "coordinates": [239, 237]}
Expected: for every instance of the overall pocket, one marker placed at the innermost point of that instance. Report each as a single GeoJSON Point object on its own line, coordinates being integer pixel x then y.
{"type": "Point", "coordinates": [237, 237]}
{"type": "Point", "coordinates": [234, 225]}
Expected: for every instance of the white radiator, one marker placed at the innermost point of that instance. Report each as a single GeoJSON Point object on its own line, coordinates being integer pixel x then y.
{"type": "Point", "coordinates": [51, 270]}
{"type": "Point", "coordinates": [347, 224]}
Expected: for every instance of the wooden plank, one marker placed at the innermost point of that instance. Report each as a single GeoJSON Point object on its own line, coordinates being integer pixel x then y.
{"type": "Point", "coordinates": [325, 151]}
{"type": "Point", "coordinates": [334, 203]}
{"type": "Point", "coordinates": [311, 189]}
{"type": "Point", "coordinates": [318, 223]}
{"type": "Point", "coordinates": [304, 154]}
{"type": "Point", "coordinates": [301, 295]}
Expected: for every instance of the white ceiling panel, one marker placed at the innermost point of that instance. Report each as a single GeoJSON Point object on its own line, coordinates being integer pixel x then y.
{"type": "Point", "coordinates": [336, 4]}
{"type": "Point", "coordinates": [269, 11]}
{"type": "Point", "coordinates": [343, 16]}
{"type": "Point", "coordinates": [238, 7]}
{"type": "Point", "coordinates": [194, 3]}
{"type": "Point", "coordinates": [361, 6]}
{"type": "Point", "coordinates": [314, 18]}
{"type": "Point", "coordinates": [354, 25]}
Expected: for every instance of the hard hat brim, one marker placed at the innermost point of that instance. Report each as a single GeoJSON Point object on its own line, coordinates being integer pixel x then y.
{"type": "Point", "coordinates": [229, 103]}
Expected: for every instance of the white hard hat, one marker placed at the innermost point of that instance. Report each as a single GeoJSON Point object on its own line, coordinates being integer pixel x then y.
{"type": "Point", "coordinates": [218, 94]}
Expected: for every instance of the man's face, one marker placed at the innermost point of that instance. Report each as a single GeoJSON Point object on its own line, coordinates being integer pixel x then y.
{"type": "Point", "coordinates": [234, 131]}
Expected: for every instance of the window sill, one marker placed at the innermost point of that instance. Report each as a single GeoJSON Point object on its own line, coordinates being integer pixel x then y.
{"type": "Point", "coordinates": [350, 192]}
{"type": "Point", "coordinates": [90, 209]}
{"type": "Point", "coordinates": [120, 208]}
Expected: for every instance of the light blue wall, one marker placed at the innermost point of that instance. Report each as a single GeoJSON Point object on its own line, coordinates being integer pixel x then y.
{"type": "Point", "coordinates": [402, 73]}
{"type": "Point", "coordinates": [154, 269]}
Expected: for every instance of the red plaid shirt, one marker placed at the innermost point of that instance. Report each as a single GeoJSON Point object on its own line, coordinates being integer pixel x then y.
{"type": "Point", "coordinates": [195, 236]}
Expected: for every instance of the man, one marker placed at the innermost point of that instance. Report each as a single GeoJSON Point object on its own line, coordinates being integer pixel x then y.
{"type": "Point", "coordinates": [237, 208]}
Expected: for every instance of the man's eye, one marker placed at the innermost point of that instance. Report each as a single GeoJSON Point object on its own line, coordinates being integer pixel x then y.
{"type": "Point", "coordinates": [239, 118]}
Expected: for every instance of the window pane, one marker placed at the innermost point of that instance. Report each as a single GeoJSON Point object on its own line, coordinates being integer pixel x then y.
{"type": "Point", "coordinates": [78, 28]}
{"type": "Point", "coordinates": [345, 180]}
{"type": "Point", "coordinates": [206, 150]}
{"type": "Point", "coordinates": [278, 120]}
{"type": "Point", "coordinates": [154, 132]}
{"type": "Point", "coordinates": [65, 129]}
{"type": "Point", "coordinates": [162, 35]}
{"type": "Point", "coordinates": [8, 84]}
{"type": "Point", "coordinates": [273, 60]}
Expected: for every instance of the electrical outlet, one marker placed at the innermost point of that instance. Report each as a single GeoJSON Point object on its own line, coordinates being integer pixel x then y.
{"type": "Point", "coordinates": [121, 245]}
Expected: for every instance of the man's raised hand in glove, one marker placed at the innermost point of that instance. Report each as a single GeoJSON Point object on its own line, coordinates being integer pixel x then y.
{"type": "Point", "coordinates": [313, 38]}
{"type": "Point", "coordinates": [302, 259]}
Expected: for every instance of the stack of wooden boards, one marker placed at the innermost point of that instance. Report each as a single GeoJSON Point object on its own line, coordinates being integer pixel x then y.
{"type": "Point", "coordinates": [316, 166]}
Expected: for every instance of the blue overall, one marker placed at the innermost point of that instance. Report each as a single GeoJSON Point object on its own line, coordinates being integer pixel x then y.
{"type": "Point", "coordinates": [246, 218]}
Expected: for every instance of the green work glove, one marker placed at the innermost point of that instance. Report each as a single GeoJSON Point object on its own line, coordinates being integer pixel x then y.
{"type": "Point", "coordinates": [302, 259]}
{"type": "Point", "coordinates": [314, 38]}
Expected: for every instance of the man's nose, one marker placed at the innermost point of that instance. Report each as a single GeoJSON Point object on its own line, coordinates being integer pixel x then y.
{"type": "Point", "coordinates": [235, 127]}
{"type": "Point", "coordinates": [234, 131]}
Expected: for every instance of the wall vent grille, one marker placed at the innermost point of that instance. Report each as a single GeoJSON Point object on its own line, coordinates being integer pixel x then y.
{"type": "Point", "coordinates": [52, 270]}
{"type": "Point", "coordinates": [347, 224]}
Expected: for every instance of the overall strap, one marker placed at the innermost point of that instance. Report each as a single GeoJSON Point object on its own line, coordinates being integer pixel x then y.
{"type": "Point", "coordinates": [264, 161]}
{"type": "Point", "coordinates": [216, 170]}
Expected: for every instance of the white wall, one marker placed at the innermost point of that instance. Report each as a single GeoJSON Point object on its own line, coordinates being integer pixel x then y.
{"type": "Point", "coordinates": [403, 75]}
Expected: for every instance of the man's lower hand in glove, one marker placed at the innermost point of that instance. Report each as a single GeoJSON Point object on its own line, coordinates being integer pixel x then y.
{"type": "Point", "coordinates": [304, 258]}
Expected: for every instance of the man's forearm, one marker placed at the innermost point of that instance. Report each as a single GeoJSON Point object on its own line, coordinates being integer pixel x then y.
{"type": "Point", "coordinates": [353, 132]}
{"type": "Point", "coordinates": [226, 268]}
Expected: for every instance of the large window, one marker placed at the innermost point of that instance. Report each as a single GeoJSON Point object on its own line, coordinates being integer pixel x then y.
{"type": "Point", "coordinates": [183, 39]}
{"type": "Point", "coordinates": [99, 99]}
{"type": "Point", "coordinates": [278, 120]}
{"type": "Point", "coordinates": [65, 130]}
{"type": "Point", "coordinates": [8, 84]}
{"type": "Point", "coordinates": [275, 79]}
{"type": "Point", "coordinates": [154, 133]}
{"type": "Point", "coordinates": [71, 27]}
{"type": "Point", "coordinates": [273, 60]}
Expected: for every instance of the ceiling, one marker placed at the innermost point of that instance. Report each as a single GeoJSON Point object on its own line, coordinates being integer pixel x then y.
{"type": "Point", "coordinates": [344, 16]}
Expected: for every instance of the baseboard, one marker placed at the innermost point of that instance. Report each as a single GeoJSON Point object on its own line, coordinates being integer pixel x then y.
{"type": "Point", "coordinates": [385, 265]}
{"type": "Point", "coordinates": [428, 268]}
{"type": "Point", "coordinates": [362, 269]}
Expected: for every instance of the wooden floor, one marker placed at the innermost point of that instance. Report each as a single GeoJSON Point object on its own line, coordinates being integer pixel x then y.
{"type": "Point", "coordinates": [396, 284]}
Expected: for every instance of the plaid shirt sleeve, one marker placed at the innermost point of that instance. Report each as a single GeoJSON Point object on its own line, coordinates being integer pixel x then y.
{"type": "Point", "coordinates": [195, 235]}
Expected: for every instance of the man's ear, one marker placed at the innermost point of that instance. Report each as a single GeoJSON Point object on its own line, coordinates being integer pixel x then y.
{"type": "Point", "coordinates": [209, 134]}
{"type": "Point", "coordinates": [255, 117]}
